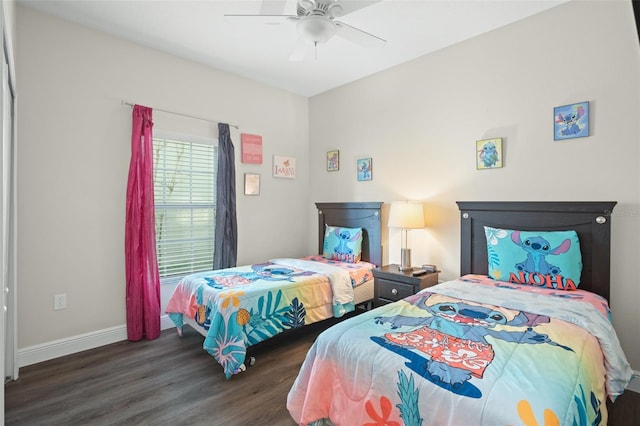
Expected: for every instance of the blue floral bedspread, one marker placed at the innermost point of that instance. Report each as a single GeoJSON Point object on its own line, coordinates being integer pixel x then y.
{"type": "Point", "coordinates": [239, 307]}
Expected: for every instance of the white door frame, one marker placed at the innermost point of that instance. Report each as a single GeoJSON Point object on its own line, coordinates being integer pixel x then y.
{"type": "Point", "coordinates": [8, 208]}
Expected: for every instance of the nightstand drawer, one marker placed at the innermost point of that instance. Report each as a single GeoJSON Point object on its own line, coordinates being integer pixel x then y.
{"type": "Point", "coordinates": [393, 290]}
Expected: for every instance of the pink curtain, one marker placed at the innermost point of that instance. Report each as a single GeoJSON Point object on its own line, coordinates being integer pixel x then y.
{"type": "Point", "coordinates": [143, 280]}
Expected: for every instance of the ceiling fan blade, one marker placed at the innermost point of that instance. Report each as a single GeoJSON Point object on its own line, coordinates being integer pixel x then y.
{"type": "Point", "coordinates": [358, 36]}
{"type": "Point", "coordinates": [272, 7]}
{"type": "Point", "coordinates": [349, 6]}
{"type": "Point", "coordinates": [264, 19]}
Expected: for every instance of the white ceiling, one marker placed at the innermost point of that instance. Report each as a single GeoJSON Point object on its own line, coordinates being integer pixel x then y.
{"type": "Point", "coordinates": [198, 30]}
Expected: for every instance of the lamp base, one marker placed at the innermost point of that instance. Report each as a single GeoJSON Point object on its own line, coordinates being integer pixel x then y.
{"type": "Point", "coordinates": [405, 260]}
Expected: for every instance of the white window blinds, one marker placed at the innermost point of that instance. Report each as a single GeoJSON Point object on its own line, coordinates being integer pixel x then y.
{"type": "Point", "coordinates": [184, 175]}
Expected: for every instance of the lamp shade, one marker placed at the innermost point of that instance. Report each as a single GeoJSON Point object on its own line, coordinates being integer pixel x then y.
{"type": "Point", "coordinates": [406, 215]}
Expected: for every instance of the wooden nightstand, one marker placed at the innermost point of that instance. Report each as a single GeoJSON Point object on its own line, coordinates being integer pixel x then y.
{"type": "Point", "coordinates": [391, 284]}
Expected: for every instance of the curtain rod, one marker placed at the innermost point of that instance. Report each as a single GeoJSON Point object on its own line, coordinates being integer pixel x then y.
{"type": "Point", "coordinates": [183, 115]}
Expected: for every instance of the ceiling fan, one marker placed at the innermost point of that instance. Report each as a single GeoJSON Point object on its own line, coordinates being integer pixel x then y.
{"type": "Point", "coordinates": [316, 22]}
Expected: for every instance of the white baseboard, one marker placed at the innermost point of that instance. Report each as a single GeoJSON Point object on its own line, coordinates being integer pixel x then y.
{"type": "Point", "coordinates": [82, 342]}
{"type": "Point", "coordinates": [166, 323]}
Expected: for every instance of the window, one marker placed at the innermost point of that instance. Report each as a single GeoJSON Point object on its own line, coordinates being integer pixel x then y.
{"type": "Point", "coordinates": [184, 176]}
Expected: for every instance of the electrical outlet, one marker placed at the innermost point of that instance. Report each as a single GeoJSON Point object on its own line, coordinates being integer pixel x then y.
{"type": "Point", "coordinates": [59, 302]}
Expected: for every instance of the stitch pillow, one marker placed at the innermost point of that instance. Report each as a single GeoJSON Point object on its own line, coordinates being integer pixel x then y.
{"type": "Point", "coordinates": [343, 244]}
{"type": "Point", "coordinates": [550, 259]}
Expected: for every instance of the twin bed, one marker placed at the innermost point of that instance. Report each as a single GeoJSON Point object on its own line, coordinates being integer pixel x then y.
{"type": "Point", "coordinates": [522, 347]}
{"type": "Point", "coordinates": [236, 308]}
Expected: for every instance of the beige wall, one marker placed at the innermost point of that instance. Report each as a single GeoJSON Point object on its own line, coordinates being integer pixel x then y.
{"type": "Point", "coordinates": [419, 122]}
{"type": "Point", "coordinates": [74, 150]}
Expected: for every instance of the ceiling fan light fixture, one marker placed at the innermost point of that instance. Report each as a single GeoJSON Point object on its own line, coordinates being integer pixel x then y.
{"type": "Point", "coordinates": [317, 29]}
{"type": "Point", "coordinates": [335, 10]}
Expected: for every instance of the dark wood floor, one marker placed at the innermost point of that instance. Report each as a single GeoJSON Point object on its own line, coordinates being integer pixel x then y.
{"type": "Point", "coordinates": [173, 381]}
{"type": "Point", "coordinates": [168, 381]}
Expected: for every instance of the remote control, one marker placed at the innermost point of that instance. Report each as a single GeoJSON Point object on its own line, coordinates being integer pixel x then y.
{"type": "Point", "coordinates": [418, 272]}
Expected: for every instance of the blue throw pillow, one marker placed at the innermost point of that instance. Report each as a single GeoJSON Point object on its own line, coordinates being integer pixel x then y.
{"type": "Point", "coordinates": [343, 244]}
{"type": "Point", "coordinates": [549, 259]}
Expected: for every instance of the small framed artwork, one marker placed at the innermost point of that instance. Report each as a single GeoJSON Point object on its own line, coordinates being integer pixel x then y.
{"type": "Point", "coordinates": [333, 160]}
{"type": "Point", "coordinates": [364, 169]}
{"type": "Point", "coordinates": [571, 121]}
{"type": "Point", "coordinates": [284, 167]}
{"type": "Point", "coordinates": [251, 184]}
{"type": "Point", "coordinates": [489, 154]}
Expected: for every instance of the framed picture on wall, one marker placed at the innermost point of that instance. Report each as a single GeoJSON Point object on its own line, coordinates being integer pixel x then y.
{"type": "Point", "coordinates": [489, 154]}
{"type": "Point", "coordinates": [571, 121]}
{"type": "Point", "coordinates": [284, 167]}
{"type": "Point", "coordinates": [364, 169]}
{"type": "Point", "coordinates": [251, 148]}
{"type": "Point", "coordinates": [251, 184]}
{"type": "Point", "coordinates": [333, 160]}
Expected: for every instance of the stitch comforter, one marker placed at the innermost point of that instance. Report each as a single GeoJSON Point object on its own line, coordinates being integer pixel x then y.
{"type": "Point", "coordinates": [467, 352]}
{"type": "Point", "coordinates": [239, 307]}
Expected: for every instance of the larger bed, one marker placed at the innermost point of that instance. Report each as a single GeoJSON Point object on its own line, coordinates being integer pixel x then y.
{"type": "Point", "coordinates": [238, 307]}
{"type": "Point", "coordinates": [522, 347]}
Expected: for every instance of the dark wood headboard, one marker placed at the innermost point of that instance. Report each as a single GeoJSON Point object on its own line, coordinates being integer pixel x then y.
{"type": "Point", "coordinates": [354, 215]}
{"type": "Point", "coordinates": [591, 220]}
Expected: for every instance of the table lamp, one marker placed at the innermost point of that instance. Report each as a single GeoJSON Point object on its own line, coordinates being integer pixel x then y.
{"type": "Point", "coordinates": [406, 215]}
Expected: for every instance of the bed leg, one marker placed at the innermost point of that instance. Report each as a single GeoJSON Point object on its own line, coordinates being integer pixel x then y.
{"type": "Point", "coordinates": [243, 367]}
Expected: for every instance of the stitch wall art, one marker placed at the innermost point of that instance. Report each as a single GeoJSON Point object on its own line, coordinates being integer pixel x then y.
{"type": "Point", "coordinates": [333, 160]}
{"type": "Point", "coordinates": [571, 121]}
{"type": "Point", "coordinates": [364, 170]}
{"type": "Point", "coordinates": [489, 154]}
